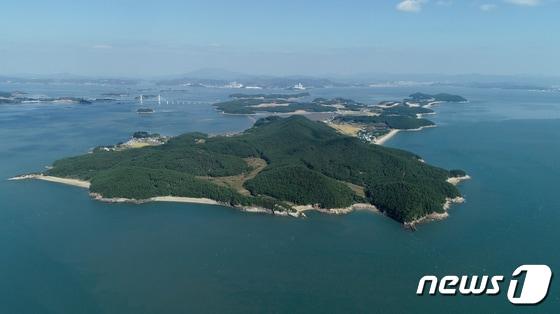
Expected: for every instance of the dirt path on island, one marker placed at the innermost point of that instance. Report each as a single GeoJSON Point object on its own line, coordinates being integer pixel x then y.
{"type": "Point", "coordinates": [236, 182]}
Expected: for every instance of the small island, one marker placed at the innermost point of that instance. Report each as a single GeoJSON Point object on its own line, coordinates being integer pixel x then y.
{"type": "Point", "coordinates": [437, 97]}
{"type": "Point", "coordinates": [145, 110]}
{"type": "Point", "coordinates": [282, 166]}
{"type": "Point", "coordinates": [19, 97]}
{"type": "Point", "coordinates": [245, 104]}
{"type": "Point", "coordinates": [371, 123]}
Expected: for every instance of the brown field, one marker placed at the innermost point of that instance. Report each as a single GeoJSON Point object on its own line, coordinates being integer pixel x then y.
{"type": "Point", "coordinates": [257, 165]}
{"type": "Point", "coordinates": [236, 182]}
{"type": "Point", "coordinates": [138, 145]}
{"type": "Point", "coordinates": [346, 129]}
{"type": "Point", "coordinates": [359, 190]}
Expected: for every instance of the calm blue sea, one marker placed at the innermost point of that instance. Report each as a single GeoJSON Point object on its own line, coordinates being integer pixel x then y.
{"type": "Point", "coordinates": [61, 252]}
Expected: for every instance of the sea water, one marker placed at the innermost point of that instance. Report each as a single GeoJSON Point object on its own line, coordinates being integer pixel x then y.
{"type": "Point", "coordinates": [61, 252]}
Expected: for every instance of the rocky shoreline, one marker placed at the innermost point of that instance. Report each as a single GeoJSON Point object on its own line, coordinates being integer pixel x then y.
{"type": "Point", "coordinates": [298, 213]}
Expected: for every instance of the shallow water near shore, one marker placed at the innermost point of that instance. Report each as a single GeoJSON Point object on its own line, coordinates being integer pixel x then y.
{"type": "Point", "coordinates": [62, 252]}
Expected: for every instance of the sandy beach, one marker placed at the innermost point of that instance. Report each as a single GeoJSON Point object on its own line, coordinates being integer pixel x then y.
{"type": "Point", "coordinates": [382, 139]}
{"type": "Point", "coordinates": [73, 182]}
{"type": "Point", "coordinates": [86, 185]}
{"type": "Point", "coordinates": [299, 209]}
{"type": "Point", "coordinates": [180, 199]}
{"type": "Point", "coordinates": [169, 198]}
{"type": "Point", "coordinates": [457, 180]}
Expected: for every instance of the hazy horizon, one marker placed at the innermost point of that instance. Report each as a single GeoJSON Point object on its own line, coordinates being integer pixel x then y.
{"type": "Point", "coordinates": [137, 39]}
{"type": "Point", "coordinates": [226, 75]}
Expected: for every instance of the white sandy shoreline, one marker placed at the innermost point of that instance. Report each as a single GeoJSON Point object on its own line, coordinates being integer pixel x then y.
{"type": "Point", "coordinates": [73, 182]}
{"type": "Point", "coordinates": [384, 138]}
{"type": "Point", "coordinates": [177, 199]}
{"type": "Point", "coordinates": [457, 180]}
{"type": "Point", "coordinates": [299, 209]}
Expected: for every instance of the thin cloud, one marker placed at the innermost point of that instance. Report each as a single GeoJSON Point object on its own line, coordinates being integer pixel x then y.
{"type": "Point", "coordinates": [410, 5]}
{"type": "Point", "coordinates": [527, 3]}
{"type": "Point", "coordinates": [102, 46]}
{"type": "Point", "coordinates": [488, 7]}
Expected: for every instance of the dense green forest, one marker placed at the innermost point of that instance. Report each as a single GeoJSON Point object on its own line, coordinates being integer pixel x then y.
{"type": "Point", "coordinates": [437, 97]}
{"type": "Point", "coordinates": [278, 103]}
{"type": "Point", "coordinates": [406, 110]}
{"type": "Point", "coordinates": [307, 162]}
{"type": "Point", "coordinates": [249, 106]}
{"type": "Point", "coordinates": [392, 121]}
{"type": "Point", "coordinates": [300, 185]}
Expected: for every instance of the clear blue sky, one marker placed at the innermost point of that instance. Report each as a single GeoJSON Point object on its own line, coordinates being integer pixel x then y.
{"type": "Point", "coordinates": [144, 38]}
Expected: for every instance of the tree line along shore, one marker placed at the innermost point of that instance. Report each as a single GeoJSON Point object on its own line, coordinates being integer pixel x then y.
{"type": "Point", "coordinates": [280, 165]}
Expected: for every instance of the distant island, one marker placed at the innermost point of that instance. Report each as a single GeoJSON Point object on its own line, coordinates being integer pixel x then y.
{"type": "Point", "coordinates": [145, 110]}
{"type": "Point", "coordinates": [22, 98]}
{"type": "Point", "coordinates": [371, 123]}
{"type": "Point", "coordinates": [19, 97]}
{"type": "Point", "coordinates": [282, 166]}
{"type": "Point", "coordinates": [284, 103]}
{"type": "Point", "coordinates": [269, 96]}
{"type": "Point", "coordinates": [437, 97]}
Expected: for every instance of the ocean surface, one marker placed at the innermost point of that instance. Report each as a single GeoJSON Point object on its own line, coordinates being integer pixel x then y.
{"type": "Point", "coordinates": [61, 252]}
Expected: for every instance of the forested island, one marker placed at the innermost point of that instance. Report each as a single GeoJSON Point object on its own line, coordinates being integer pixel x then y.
{"type": "Point", "coordinates": [19, 97]}
{"type": "Point", "coordinates": [437, 97]}
{"type": "Point", "coordinates": [284, 103]}
{"type": "Point", "coordinates": [280, 165]}
{"type": "Point", "coordinates": [371, 123]}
